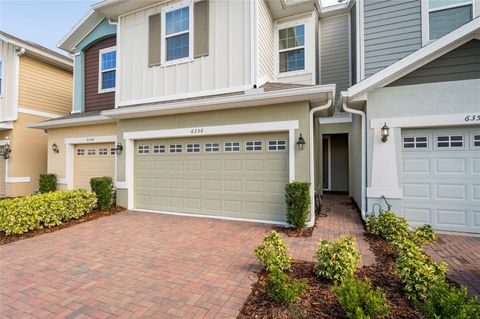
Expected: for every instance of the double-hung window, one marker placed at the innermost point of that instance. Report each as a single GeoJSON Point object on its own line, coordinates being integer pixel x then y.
{"type": "Point", "coordinates": [107, 65]}
{"type": "Point", "coordinates": [177, 34]}
{"type": "Point", "coordinates": [445, 16]}
{"type": "Point", "coordinates": [291, 48]}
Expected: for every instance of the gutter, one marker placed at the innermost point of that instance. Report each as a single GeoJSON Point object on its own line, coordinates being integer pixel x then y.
{"type": "Point", "coordinates": [90, 120]}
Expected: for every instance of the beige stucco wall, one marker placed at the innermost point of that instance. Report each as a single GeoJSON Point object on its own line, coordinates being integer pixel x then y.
{"type": "Point", "coordinates": [270, 113]}
{"type": "Point", "coordinates": [57, 161]}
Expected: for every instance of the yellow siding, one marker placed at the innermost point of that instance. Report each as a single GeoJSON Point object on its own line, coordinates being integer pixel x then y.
{"type": "Point", "coordinates": [43, 87]}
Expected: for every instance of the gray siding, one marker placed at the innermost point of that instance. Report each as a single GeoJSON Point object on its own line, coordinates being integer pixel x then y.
{"type": "Point", "coordinates": [334, 52]}
{"type": "Point", "coordinates": [353, 37]}
{"type": "Point", "coordinates": [393, 30]}
{"type": "Point", "coordinates": [462, 63]}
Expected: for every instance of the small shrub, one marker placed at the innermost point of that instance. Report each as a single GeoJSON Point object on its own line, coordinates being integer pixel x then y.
{"type": "Point", "coordinates": [337, 259]}
{"type": "Point", "coordinates": [47, 183]}
{"type": "Point", "coordinates": [102, 187]}
{"type": "Point", "coordinates": [422, 235]}
{"type": "Point", "coordinates": [20, 215]}
{"type": "Point", "coordinates": [282, 289]}
{"type": "Point", "coordinates": [446, 301]}
{"type": "Point", "coordinates": [272, 253]}
{"type": "Point", "coordinates": [387, 225]}
{"type": "Point", "coordinates": [360, 300]}
{"type": "Point", "coordinates": [297, 198]}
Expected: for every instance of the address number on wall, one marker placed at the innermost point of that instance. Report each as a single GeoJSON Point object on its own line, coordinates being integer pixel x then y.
{"type": "Point", "coordinates": [197, 130]}
{"type": "Point", "coordinates": [473, 118]}
{"type": "Point", "coordinates": [90, 139]}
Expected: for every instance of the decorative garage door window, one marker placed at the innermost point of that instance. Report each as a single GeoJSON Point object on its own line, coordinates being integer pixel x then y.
{"type": "Point", "coordinates": [232, 146]}
{"type": "Point", "coordinates": [157, 149]}
{"type": "Point", "coordinates": [143, 149]}
{"type": "Point", "coordinates": [80, 152]}
{"type": "Point", "coordinates": [193, 148]}
{"type": "Point", "coordinates": [415, 142]}
{"type": "Point", "coordinates": [253, 146]}
{"type": "Point", "coordinates": [277, 145]}
{"type": "Point", "coordinates": [450, 141]}
{"type": "Point", "coordinates": [212, 147]}
{"type": "Point", "coordinates": [476, 140]}
{"type": "Point", "coordinates": [175, 148]}
{"type": "Point", "coordinates": [91, 151]}
{"type": "Point", "coordinates": [103, 151]}
{"type": "Point", "coordinates": [113, 151]}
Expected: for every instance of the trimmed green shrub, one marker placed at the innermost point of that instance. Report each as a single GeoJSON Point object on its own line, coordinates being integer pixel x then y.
{"type": "Point", "coordinates": [422, 235]}
{"type": "Point", "coordinates": [272, 253]}
{"type": "Point", "coordinates": [282, 289]}
{"type": "Point", "coordinates": [102, 187]}
{"type": "Point", "coordinates": [47, 183]}
{"type": "Point", "coordinates": [297, 198]}
{"type": "Point", "coordinates": [387, 225]}
{"type": "Point", "coordinates": [360, 300]}
{"type": "Point", "coordinates": [20, 215]}
{"type": "Point", "coordinates": [446, 301]}
{"type": "Point", "coordinates": [336, 260]}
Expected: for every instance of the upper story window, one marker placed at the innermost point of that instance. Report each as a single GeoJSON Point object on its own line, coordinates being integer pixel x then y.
{"type": "Point", "coordinates": [177, 34]}
{"type": "Point", "coordinates": [291, 47]}
{"type": "Point", "coordinates": [445, 16]}
{"type": "Point", "coordinates": [107, 64]}
{"type": "Point", "coordinates": [1, 77]}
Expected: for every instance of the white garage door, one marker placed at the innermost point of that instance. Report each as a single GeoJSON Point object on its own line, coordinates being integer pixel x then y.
{"type": "Point", "coordinates": [241, 176]}
{"type": "Point", "coordinates": [441, 178]}
{"type": "Point", "coordinates": [93, 160]}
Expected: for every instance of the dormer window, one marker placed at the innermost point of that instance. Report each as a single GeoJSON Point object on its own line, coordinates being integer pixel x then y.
{"type": "Point", "coordinates": [107, 65]}
{"type": "Point", "coordinates": [291, 47]}
{"type": "Point", "coordinates": [177, 34]}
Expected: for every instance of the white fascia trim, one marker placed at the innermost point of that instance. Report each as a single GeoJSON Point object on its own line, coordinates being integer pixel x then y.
{"type": "Point", "coordinates": [214, 130]}
{"type": "Point", "coordinates": [91, 139]}
{"type": "Point", "coordinates": [74, 28]}
{"type": "Point", "coordinates": [15, 180]}
{"type": "Point", "coordinates": [71, 122]}
{"type": "Point", "coordinates": [424, 121]}
{"type": "Point", "coordinates": [333, 120]}
{"type": "Point", "coordinates": [417, 59]}
{"type": "Point", "coordinates": [262, 221]}
{"type": "Point", "coordinates": [38, 113]}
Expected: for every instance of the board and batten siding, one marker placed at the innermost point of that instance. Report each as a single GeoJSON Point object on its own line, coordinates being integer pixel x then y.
{"type": "Point", "coordinates": [43, 87]}
{"type": "Point", "coordinates": [265, 45]}
{"type": "Point", "coordinates": [462, 63]}
{"type": "Point", "coordinates": [228, 63]}
{"type": "Point", "coordinates": [392, 30]}
{"type": "Point", "coordinates": [95, 101]}
{"type": "Point", "coordinates": [334, 51]}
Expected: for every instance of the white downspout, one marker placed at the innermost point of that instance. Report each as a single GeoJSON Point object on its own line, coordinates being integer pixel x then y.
{"type": "Point", "coordinates": [314, 110]}
{"type": "Point", "coordinates": [364, 156]}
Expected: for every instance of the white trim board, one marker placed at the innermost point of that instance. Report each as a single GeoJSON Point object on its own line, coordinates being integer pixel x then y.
{"type": "Point", "coordinates": [91, 139]}
{"type": "Point", "coordinates": [424, 121]}
{"type": "Point", "coordinates": [15, 180]}
{"type": "Point", "coordinates": [335, 119]}
{"type": "Point", "coordinates": [38, 113]}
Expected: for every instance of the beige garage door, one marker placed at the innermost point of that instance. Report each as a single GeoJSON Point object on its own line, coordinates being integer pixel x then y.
{"type": "Point", "coordinates": [92, 160]}
{"type": "Point", "coordinates": [2, 177]}
{"type": "Point", "coordinates": [239, 176]}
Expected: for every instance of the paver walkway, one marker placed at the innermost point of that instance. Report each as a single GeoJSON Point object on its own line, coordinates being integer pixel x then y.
{"type": "Point", "coordinates": [462, 254]}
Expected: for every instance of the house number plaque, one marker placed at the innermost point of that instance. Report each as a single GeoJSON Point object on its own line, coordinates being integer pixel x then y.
{"type": "Point", "coordinates": [197, 130]}
{"type": "Point", "coordinates": [473, 118]}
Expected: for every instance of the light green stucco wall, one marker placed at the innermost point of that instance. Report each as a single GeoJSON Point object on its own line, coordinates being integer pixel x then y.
{"type": "Point", "coordinates": [270, 113]}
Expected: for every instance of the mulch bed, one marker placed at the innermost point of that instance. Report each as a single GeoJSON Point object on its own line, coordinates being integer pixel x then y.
{"type": "Point", "coordinates": [96, 214]}
{"type": "Point", "coordinates": [320, 302]}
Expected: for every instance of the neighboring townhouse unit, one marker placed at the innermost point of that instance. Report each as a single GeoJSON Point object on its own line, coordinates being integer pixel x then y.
{"type": "Point", "coordinates": [35, 85]}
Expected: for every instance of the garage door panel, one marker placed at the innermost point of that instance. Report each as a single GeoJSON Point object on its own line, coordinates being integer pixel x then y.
{"type": "Point", "coordinates": [450, 165]}
{"type": "Point", "coordinates": [476, 165]}
{"type": "Point", "coordinates": [416, 190]}
{"type": "Point", "coordinates": [451, 217]}
{"type": "Point", "coordinates": [451, 191]}
{"type": "Point", "coordinates": [418, 215]}
{"type": "Point", "coordinates": [232, 165]}
{"type": "Point", "coordinates": [476, 192]}
{"type": "Point", "coordinates": [92, 160]}
{"type": "Point", "coordinates": [476, 219]}
{"type": "Point", "coordinates": [417, 165]}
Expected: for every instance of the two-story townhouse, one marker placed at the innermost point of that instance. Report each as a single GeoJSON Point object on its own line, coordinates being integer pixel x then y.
{"type": "Point", "coordinates": [416, 111]}
{"type": "Point", "coordinates": [35, 85]}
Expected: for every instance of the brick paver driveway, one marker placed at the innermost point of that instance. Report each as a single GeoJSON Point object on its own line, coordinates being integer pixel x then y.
{"type": "Point", "coordinates": [132, 265]}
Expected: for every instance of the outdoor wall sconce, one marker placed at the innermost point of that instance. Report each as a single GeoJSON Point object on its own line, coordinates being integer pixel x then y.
{"type": "Point", "coordinates": [6, 150]}
{"type": "Point", "coordinates": [118, 149]}
{"type": "Point", "coordinates": [385, 131]}
{"type": "Point", "coordinates": [300, 142]}
{"type": "Point", "coordinates": [55, 148]}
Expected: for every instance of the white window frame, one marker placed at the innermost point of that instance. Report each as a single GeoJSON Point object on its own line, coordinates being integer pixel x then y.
{"type": "Point", "coordinates": [231, 148]}
{"type": "Point", "coordinates": [450, 147]}
{"type": "Point", "coordinates": [415, 142]}
{"type": "Point", "coordinates": [103, 151]}
{"type": "Point", "coordinates": [472, 141]}
{"type": "Point", "coordinates": [91, 152]}
{"type": "Point", "coordinates": [276, 145]}
{"type": "Point", "coordinates": [175, 148]}
{"type": "Point", "coordinates": [80, 152]}
{"type": "Point", "coordinates": [163, 46]}
{"type": "Point", "coordinates": [159, 149]}
{"type": "Point", "coordinates": [212, 147]}
{"type": "Point", "coordinates": [143, 149]}
{"type": "Point", "coordinates": [1, 76]}
{"type": "Point", "coordinates": [193, 148]}
{"type": "Point", "coordinates": [113, 151]}
{"type": "Point", "coordinates": [426, 16]}
{"type": "Point", "coordinates": [254, 145]}
{"type": "Point", "coordinates": [100, 71]}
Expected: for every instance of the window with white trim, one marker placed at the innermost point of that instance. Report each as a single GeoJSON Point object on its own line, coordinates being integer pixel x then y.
{"type": "Point", "coordinates": [177, 33]}
{"type": "Point", "coordinates": [232, 146]}
{"type": "Point", "coordinates": [157, 149]}
{"type": "Point", "coordinates": [291, 48]}
{"type": "Point", "coordinates": [103, 151]}
{"type": "Point", "coordinates": [445, 16]}
{"type": "Point", "coordinates": [212, 147]}
{"type": "Point", "coordinates": [476, 140]}
{"type": "Point", "coordinates": [450, 141]}
{"type": "Point", "coordinates": [415, 142]}
{"type": "Point", "coordinates": [107, 69]}
{"type": "Point", "coordinates": [277, 145]}
{"type": "Point", "coordinates": [80, 152]}
{"type": "Point", "coordinates": [91, 151]}
{"type": "Point", "coordinates": [175, 148]}
{"type": "Point", "coordinates": [193, 148]}
{"type": "Point", "coordinates": [143, 149]}
{"type": "Point", "coordinates": [253, 146]}
{"type": "Point", "coordinates": [113, 151]}
{"type": "Point", "coordinates": [1, 77]}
